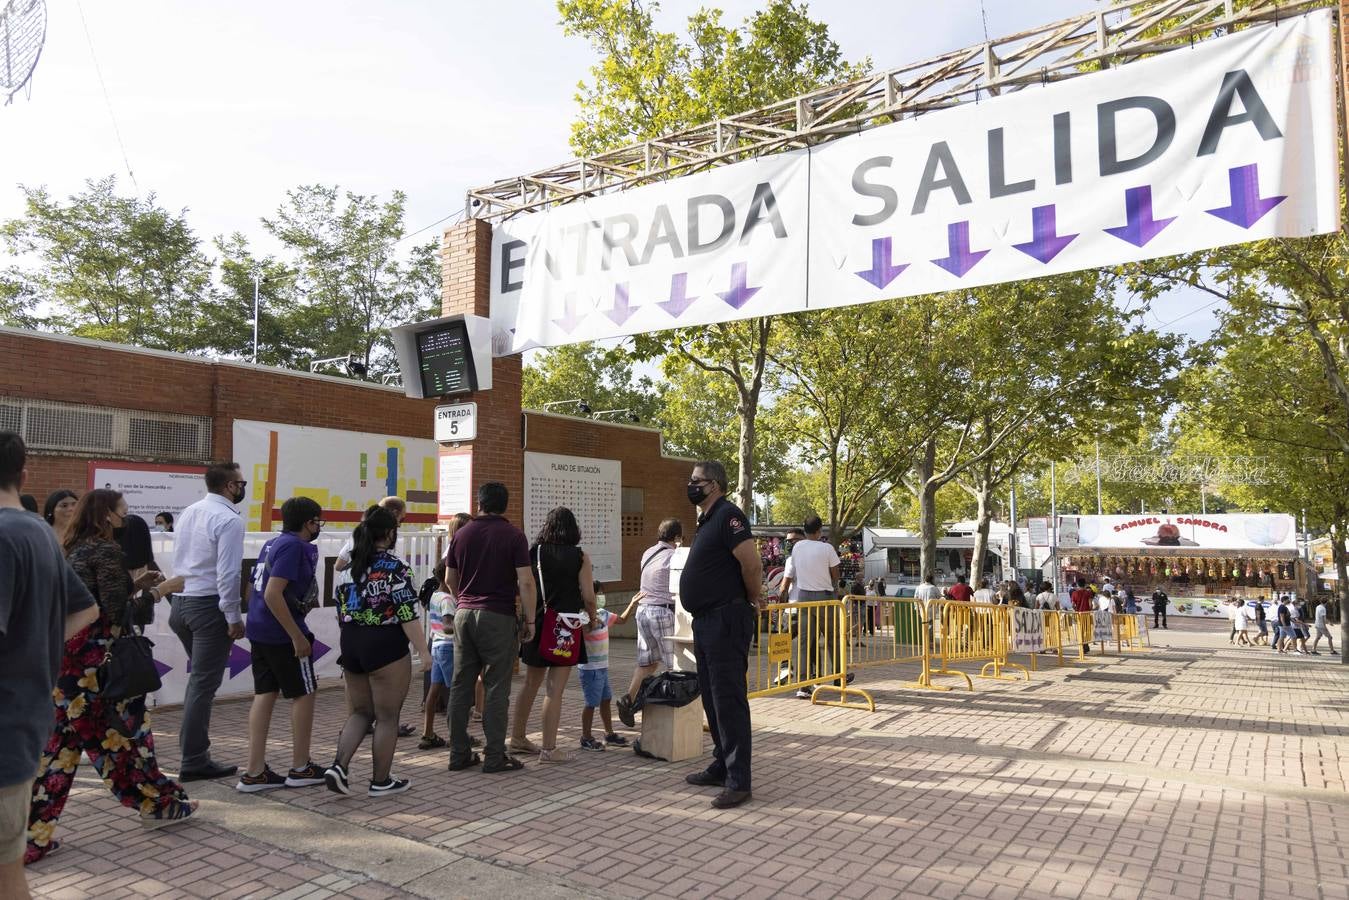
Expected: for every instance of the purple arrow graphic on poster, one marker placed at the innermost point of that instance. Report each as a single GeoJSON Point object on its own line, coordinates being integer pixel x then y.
{"type": "Point", "coordinates": [162, 669]}
{"type": "Point", "coordinates": [740, 291]}
{"type": "Point", "coordinates": [883, 270]}
{"type": "Point", "coordinates": [569, 319]}
{"type": "Point", "coordinates": [1140, 227]}
{"type": "Point", "coordinates": [679, 295]}
{"type": "Point", "coordinates": [1248, 207]}
{"type": "Point", "coordinates": [240, 659]}
{"type": "Point", "coordinates": [318, 650]}
{"type": "Point", "coordinates": [623, 308]}
{"type": "Point", "coordinates": [1046, 242]}
{"type": "Point", "coordinates": [962, 258]}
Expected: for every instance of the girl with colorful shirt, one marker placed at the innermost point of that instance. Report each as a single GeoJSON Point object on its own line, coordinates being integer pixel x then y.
{"type": "Point", "coordinates": [115, 734]}
{"type": "Point", "coordinates": [379, 619]}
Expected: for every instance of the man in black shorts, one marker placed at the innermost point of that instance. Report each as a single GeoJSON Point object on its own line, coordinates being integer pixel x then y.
{"type": "Point", "coordinates": [722, 587]}
{"type": "Point", "coordinates": [282, 644]}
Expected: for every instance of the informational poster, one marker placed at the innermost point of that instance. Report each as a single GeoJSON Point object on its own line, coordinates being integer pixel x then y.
{"type": "Point", "coordinates": [1028, 630]}
{"type": "Point", "coordinates": [456, 484]}
{"type": "Point", "coordinates": [1234, 139]}
{"type": "Point", "coordinates": [1038, 530]}
{"type": "Point", "coordinates": [593, 490]}
{"type": "Point", "coordinates": [345, 471]}
{"type": "Point", "coordinates": [150, 489]}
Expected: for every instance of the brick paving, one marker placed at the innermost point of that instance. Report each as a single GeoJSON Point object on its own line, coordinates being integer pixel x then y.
{"type": "Point", "coordinates": [1196, 770]}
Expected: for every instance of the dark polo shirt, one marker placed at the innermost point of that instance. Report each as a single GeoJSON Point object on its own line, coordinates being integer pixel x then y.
{"type": "Point", "coordinates": [711, 575]}
{"type": "Point", "coordinates": [486, 552]}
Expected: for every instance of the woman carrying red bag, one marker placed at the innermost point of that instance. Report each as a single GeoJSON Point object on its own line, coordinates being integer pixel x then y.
{"type": "Point", "coordinates": [566, 601]}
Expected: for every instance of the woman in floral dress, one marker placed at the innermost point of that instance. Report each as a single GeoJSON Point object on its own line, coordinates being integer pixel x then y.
{"type": "Point", "coordinates": [117, 735]}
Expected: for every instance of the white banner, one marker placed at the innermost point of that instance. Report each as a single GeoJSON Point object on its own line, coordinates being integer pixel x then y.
{"type": "Point", "coordinates": [149, 488]}
{"type": "Point", "coordinates": [1166, 533]}
{"type": "Point", "coordinates": [593, 490]}
{"type": "Point", "coordinates": [1233, 140]}
{"type": "Point", "coordinates": [1102, 626]}
{"type": "Point", "coordinates": [1028, 630]}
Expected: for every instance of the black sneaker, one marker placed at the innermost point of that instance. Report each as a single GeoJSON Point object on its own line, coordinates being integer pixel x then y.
{"type": "Point", "coordinates": [310, 775]}
{"type": "Point", "coordinates": [591, 743]}
{"type": "Point", "coordinates": [389, 786]}
{"type": "Point", "coordinates": [336, 778]}
{"type": "Point", "coordinates": [266, 781]}
{"type": "Point", "coordinates": [616, 740]}
{"type": "Point", "coordinates": [705, 779]}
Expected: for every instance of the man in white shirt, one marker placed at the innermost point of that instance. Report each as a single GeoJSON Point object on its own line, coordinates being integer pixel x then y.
{"type": "Point", "coordinates": [985, 592]}
{"type": "Point", "coordinates": [1322, 630]}
{"type": "Point", "coordinates": [1045, 599]}
{"type": "Point", "coordinates": [812, 570]}
{"type": "Point", "coordinates": [208, 554]}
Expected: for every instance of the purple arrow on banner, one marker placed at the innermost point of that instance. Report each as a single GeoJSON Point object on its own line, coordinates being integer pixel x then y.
{"type": "Point", "coordinates": [962, 258]}
{"type": "Point", "coordinates": [883, 270]}
{"type": "Point", "coordinates": [740, 291]}
{"type": "Point", "coordinates": [1248, 207]}
{"type": "Point", "coordinates": [1140, 227]}
{"type": "Point", "coordinates": [1045, 243]}
{"type": "Point", "coordinates": [569, 319]}
{"type": "Point", "coordinates": [318, 650]}
{"type": "Point", "coordinates": [240, 659]}
{"type": "Point", "coordinates": [623, 308]}
{"type": "Point", "coordinates": [162, 669]}
{"type": "Point", "coordinates": [679, 298]}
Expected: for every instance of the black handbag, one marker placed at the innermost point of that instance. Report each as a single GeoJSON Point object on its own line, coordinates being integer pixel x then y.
{"type": "Point", "coordinates": [128, 668]}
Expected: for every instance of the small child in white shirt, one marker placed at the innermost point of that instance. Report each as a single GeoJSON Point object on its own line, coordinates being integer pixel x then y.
{"type": "Point", "coordinates": [595, 677]}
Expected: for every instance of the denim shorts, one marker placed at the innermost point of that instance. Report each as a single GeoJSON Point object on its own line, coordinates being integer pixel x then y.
{"type": "Point", "coordinates": [442, 662]}
{"type": "Point", "coordinates": [595, 686]}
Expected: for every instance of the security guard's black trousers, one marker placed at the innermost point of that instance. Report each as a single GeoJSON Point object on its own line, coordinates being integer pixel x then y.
{"type": "Point", "coordinates": [721, 639]}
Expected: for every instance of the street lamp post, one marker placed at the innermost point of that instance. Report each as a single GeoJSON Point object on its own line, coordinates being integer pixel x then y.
{"type": "Point", "coordinates": [257, 288]}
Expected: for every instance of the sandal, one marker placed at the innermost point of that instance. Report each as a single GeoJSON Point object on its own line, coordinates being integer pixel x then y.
{"type": "Point", "coordinates": [170, 815]}
{"type": "Point", "coordinates": [554, 756]}
{"type": "Point", "coordinates": [32, 852]}
{"type": "Point", "coordinates": [524, 745]}
{"type": "Point", "coordinates": [505, 764]}
{"type": "Point", "coordinates": [406, 731]}
{"type": "Point", "coordinates": [473, 760]}
{"type": "Point", "coordinates": [430, 742]}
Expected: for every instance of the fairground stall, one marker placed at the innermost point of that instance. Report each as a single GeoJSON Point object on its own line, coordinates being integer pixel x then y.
{"type": "Point", "coordinates": [1198, 560]}
{"type": "Point", "coordinates": [895, 554]}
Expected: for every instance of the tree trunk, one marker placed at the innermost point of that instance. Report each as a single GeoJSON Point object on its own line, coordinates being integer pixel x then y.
{"type": "Point", "coordinates": [745, 488]}
{"type": "Point", "coordinates": [1341, 558]}
{"type": "Point", "coordinates": [927, 511]}
{"type": "Point", "coordinates": [984, 497]}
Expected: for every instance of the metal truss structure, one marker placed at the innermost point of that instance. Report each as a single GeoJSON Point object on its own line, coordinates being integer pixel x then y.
{"type": "Point", "coordinates": [1111, 36]}
{"type": "Point", "coordinates": [1202, 470]}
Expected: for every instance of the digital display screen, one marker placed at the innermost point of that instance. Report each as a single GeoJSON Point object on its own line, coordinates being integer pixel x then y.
{"type": "Point", "coordinates": [445, 360]}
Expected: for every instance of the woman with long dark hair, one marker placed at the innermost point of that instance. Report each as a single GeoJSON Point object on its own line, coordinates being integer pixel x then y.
{"type": "Point", "coordinates": [379, 619]}
{"type": "Point", "coordinates": [115, 735]}
{"type": "Point", "coordinates": [564, 582]}
{"type": "Point", "coordinates": [59, 509]}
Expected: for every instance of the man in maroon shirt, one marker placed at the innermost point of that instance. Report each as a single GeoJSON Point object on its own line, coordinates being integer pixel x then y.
{"type": "Point", "coordinates": [960, 590]}
{"type": "Point", "coordinates": [486, 566]}
{"type": "Point", "coordinates": [1084, 601]}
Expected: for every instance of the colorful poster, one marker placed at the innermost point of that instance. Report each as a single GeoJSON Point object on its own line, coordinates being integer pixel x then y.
{"type": "Point", "coordinates": [345, 471]}
{"type": "Point", "coordinates": [150, 489]}
{"type": "Point", "coordinates": [1231, 140]}
{"type": "Point", "coordinates": [1159, 533]}
{"type": "Point", "coordinates": [592, 490]}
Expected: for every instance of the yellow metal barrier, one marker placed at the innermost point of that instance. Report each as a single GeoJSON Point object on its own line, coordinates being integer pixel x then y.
{"type": "Point", "coordinates": [902, 634]}
{"type": "Point", "coordinates": [971, 632]}
{"type": "Point", "coordinates": [1128, 632]}
{"type": "Point", "coordinates": [806, 647]}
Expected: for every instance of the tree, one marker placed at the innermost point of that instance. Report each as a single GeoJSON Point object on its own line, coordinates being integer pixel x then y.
{"type": "Point", "coordinates": [350, 283]}
{"type": "Point", "coordinates": [107, 267]}
{"type": "Point", "coordinates": [605, 379]}
{"type": "Point", "coordinates": [650, 83]}
{"type": "Point", "coordinates": [229, 318]}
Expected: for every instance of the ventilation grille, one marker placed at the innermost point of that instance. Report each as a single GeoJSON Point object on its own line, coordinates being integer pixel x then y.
{"type": "Point", "coordinates": [48, 425]}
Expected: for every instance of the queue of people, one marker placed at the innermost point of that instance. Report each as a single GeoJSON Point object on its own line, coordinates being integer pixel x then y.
{"type": "Point", "coordinates": [1285, 628]}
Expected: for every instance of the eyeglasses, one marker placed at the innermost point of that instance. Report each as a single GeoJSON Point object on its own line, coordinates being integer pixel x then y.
{"type": "Point", "coordinates": [701, 480]}
{"type": "Point", "coordinates": [240, 483]}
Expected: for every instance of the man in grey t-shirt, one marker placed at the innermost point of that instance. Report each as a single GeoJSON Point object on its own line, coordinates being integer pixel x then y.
{"type": "Point", "coordinates": [42, 603]}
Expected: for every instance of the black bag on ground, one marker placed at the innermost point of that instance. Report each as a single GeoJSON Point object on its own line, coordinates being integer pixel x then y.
{"type": "Point", "coordinates": [667, 689]}
{"type": "Point", "coordinates": [128, 668]}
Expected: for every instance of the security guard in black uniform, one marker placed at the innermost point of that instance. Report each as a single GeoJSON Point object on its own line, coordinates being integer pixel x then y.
{"type": "Point", "coordinates": [722, 588]}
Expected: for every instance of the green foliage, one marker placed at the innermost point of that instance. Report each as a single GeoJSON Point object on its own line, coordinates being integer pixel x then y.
{"type": "Point", "coordinates": [603, 378]}
{"type": "Point", "coordinates": [107, 267]}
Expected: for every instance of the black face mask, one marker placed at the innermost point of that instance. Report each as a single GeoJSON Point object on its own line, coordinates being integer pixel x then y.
{"type": "Point", "coordinates": [697, 494]}
{"type": "Point", "coordinates": [237, 496]}
{"type": "Point", "coordinates": [118, 532]}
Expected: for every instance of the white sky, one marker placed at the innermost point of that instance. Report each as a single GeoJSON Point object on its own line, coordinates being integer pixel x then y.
{"type": "Point", "coordinates": [223, 107]}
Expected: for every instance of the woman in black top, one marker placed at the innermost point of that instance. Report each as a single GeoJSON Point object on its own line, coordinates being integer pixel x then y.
{"type": "Point", "coordinates": [563, 582]}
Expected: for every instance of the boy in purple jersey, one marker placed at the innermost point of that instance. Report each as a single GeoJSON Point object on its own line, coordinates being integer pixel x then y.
{"type": "Point", "coordinates": [282, 646]}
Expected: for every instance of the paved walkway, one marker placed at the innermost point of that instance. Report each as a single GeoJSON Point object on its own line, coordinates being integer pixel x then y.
{"type": "Point", "coordinates": [1197, 770]}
